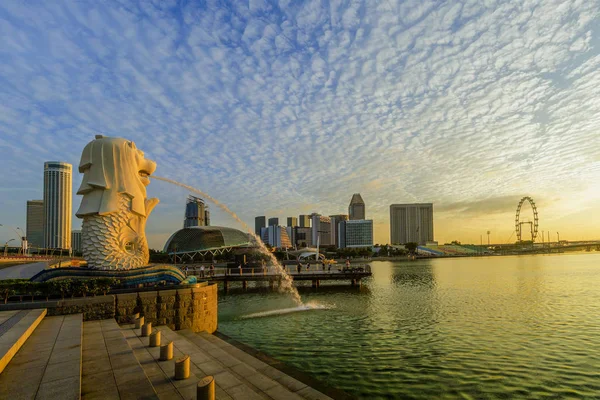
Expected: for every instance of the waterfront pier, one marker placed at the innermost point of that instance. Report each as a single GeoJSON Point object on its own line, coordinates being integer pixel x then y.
{"type": "Point", "coordinates": [315, 274]}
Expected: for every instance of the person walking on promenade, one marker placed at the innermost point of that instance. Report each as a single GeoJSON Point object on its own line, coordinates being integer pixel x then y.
{"type": "Point", "coordinates": [212, 269]}
{"type": "Point", "coordinates": [299, 267]}
{"type": "Point", "coordinates": [202, 271]}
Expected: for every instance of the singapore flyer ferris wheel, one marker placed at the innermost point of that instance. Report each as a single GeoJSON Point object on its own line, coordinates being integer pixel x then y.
{"type": "Point", "coordinates": [533, 225]}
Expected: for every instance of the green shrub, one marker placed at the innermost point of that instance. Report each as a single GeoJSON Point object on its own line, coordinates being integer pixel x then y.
{"type": "Point", "coordinates": [6, 290]}
{"type": "Point", "coordinates": [62, 287]}
{"type": "Point", "coordinates": [45, 289]}
{"type": "Point", "coordinates": [104, 284]}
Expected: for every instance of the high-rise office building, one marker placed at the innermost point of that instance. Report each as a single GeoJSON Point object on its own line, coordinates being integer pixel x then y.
{"type": "Point", "coordinates": [356, 209]}
{"type": "Point", "coordinates": [304, 221]}
{"type": "Point", "coordinates": [292, 221]}
{"type": "Point", "coordinates": [57, 204]}
{"type": "Point", "coordinates": [356, 233]}
{"type": "Point", "coordinates": [321, 230]}
{"type": "Point", "coordinates": [335, 221]}
{"type": "Point", "coordinates": [273, 221]}
{"type": "Point", "coordinates": [35, 223]}
{"type": "Point", "coordinates": [76, 241]}
{"type": "Point", "coordinates": [276, 236]}
{"type": "Point", "coordinates": [196, 212]}
{"type": "Point", "coordinates": [411, 223]}
{"type": "Point", "coordinates": [259, 223]}
{"type": "Point", "coordinates": [302, 236]}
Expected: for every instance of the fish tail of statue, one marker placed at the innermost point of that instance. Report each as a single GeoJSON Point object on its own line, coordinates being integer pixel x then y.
{"type": "Point", "coordinates": [113, 242]}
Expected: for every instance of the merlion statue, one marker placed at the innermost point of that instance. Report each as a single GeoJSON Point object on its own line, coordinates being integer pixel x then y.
{"type": "Point", "coordinates": [114, 206]}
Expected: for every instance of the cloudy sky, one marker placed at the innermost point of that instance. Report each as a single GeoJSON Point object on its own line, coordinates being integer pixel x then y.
{"type": "Point", "coordinates": [289, 107]}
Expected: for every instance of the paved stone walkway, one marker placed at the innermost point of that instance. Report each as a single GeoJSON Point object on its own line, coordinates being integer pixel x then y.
{"type": "Point", "coordinates": [110, 369]}
{"type": "Point", "coordinates": [48, 365]}
{"type": "Point", "coordinates": [237, 374]}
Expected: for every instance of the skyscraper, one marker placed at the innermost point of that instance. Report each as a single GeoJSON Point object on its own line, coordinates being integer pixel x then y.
{"type": "Point", "coordinates": [356, 233]}
{"type": "Point", "coordinates": [356, 209]}
{"type": "Point", "coordinates": [335, 221]}
{"type": "Point", "coordinates": [273, 221]}
{"type": "Point", "coordinates": [411, 223]}
{"type": "Point", "coordinates": [304, 221]}
{"type": "Point", "coordinates": [292, 221]}
{"type": "Point", "coordinates": [35, 223]}
{"type": "Point", "coordinates": [196, 212]}
{"type": "Point", "coordinates": [259, 223]}
{"type": "Point", "coordinates": [321, 230]}
{"type": "Point", "coordinates": [276, 236]}
{"type": "Point", "coordinates": [76, 241]}
{"type": "Point", "coordinates": [57, 204]}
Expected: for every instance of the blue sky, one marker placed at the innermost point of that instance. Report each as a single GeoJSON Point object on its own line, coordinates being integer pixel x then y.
{"type": "Point", "coordinates": [285, 108]}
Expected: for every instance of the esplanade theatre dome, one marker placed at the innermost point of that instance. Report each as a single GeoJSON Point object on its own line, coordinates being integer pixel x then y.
{"type": "Point", "coordinates": [205, 238]}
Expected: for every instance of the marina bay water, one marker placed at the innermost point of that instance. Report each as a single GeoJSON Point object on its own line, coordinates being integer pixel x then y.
{"type": "Point", "coordinates": [497, 327]}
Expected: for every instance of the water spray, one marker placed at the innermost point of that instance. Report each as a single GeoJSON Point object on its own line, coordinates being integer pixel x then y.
{"type": "Point", "coordinates": [286, 281]}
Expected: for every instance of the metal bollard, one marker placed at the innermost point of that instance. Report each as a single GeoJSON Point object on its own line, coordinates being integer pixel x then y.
{"type": "Point", "coordinates": [182, 368]}
{"type": "Point", "coordinates": [166, 352]}
{"type": "Point", "coordinates": [154, 339]}
{"type": "Point", "coordinates": [206, 388]}
{"type": "Point", "coordinates": [146, 329]}
{"type": "Point", "coordinates": [139, 322]}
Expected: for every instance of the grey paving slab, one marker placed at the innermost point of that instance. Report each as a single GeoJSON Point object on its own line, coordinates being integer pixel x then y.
{"type": "Point", "coordinates": [281, 393]}
{"type": "Point", "coordinates": [62, 370]}
{"type": "Point", "coordinates": [30, 362]}
{"type": "Point", "coordinates": [65, 363]}
{"type": "Point", "coordinates": [311, 394]}
{"type": "Point", "coordinates": [236, 372]}
{"type": "Point", "coordinates": [261, 381]}
{"type": "Point", "coordinates": [64, 389]}
{"type": "Point", "coordinates": [241, 392]}
{"type": "Point", "coordinates": [16, 331]}
{"type": "Point", "coordinates": [124, 378]}
{"type": "Point", "coordinates": [4, 315]}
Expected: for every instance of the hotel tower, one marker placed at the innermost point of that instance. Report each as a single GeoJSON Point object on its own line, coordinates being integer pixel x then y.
{"type": "Point", "coordinates": [57, 204]}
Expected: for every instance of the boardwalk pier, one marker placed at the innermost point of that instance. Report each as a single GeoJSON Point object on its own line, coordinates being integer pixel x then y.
{"type": "Point", "coordinates": [273, 277]}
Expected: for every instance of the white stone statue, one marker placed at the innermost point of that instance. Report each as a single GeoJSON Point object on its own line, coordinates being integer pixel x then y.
{"type": "Point", "coordinates": [114, 206]}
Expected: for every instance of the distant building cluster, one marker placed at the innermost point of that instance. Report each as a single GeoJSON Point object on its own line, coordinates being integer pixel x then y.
{"type": "Point", "coordinates": [339, 230]}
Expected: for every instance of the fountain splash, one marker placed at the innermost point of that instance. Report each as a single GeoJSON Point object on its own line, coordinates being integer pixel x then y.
{"type": "Point", "coordinates": [304, 307]}
{"type": "Point", "coordinates": [286, 279]}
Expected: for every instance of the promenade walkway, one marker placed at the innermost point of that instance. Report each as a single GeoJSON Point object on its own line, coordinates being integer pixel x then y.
{"type": "Point", "coordinates": [62, 357]}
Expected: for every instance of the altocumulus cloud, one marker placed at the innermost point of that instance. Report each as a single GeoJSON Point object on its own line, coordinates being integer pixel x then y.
{"type": "Point", "coordinates": [272, 105]}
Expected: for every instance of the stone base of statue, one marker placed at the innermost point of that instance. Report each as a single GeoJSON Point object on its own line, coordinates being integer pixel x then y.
{"type": "Point", "coordinates": [149, 275]}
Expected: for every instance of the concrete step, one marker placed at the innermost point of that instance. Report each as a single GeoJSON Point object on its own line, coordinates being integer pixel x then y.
{"type": "Point", "coordinates": [259, 371]}
{"type": "Point", "coordinates": [15, 328]}
{"type": "Point", "coordinates": [48, 365]}
{"type": "Point", "coordinates": [161, 373]}
{"type": "Point", "coordinates": [237, 374]}
{"type": "Point", "coordinates": [110, 367]}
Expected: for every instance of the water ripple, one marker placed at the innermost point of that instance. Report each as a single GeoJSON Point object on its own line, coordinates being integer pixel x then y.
{"type": "Point", "coordinates": [508, 328]}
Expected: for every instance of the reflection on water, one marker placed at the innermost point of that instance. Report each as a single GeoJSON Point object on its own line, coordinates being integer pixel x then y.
{"type": "Point", "coordinates": [502, 327]}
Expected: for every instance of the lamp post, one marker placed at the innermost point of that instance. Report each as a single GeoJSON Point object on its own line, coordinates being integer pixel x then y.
{"type": "Point", "coordinates": [17, 233]}
{"type": "Point", "coordinates": [6, 247]}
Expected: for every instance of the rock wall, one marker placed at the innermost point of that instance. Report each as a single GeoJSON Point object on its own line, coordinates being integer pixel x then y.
{"type": "Point", "coordinates": [194, 308]}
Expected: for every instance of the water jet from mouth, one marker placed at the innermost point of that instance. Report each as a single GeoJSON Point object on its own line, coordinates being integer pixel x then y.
{"type": "Point", "coordinates": [286, 280]}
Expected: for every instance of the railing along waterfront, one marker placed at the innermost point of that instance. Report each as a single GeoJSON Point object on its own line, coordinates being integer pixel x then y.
{"type": "Point", "coordinates": [332, 269]}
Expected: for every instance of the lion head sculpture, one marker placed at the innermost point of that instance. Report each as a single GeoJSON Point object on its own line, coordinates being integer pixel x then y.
{"type": "Point", "coordinates": [114, 207]}
{"type": "Point", "coordinates": [111, 167]}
